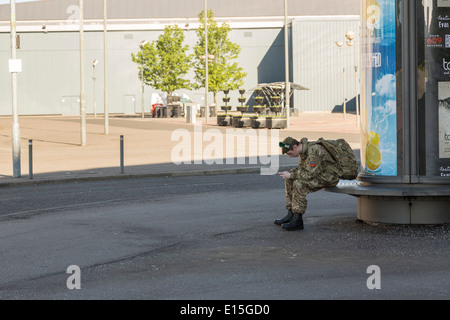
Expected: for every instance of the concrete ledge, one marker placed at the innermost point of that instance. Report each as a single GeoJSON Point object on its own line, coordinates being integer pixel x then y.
{"type": "Point", "coordinates": [356, 188]}
{"type": "Point", "coordinates": [399, 203]}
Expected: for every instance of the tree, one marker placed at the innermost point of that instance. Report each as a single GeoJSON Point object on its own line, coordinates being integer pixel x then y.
{"type": "Point", "coordinates": [222, 74]}
{"type": "Point", "coordinates": [163, 63]}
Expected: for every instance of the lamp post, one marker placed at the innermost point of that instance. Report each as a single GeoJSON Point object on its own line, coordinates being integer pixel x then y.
{"type": "Point", "coordinates": [340, 44]}
{"type": "Point", "coordinates": [287, 94]}
{"type": "Point", "coordinates": [82, 92]}
{"type": "Point", "coordinates": [206, 63]}
{"type": "Point", "coordinates": [350, 35]}
{"type": "Point", "coordinates": [15, 125]}
{"type": "Point", "coordinates": [142, 45]}
{"type": "Point", "coordinates": [94, 63]}
{"type": "Point", "coordinates": [105, 30]}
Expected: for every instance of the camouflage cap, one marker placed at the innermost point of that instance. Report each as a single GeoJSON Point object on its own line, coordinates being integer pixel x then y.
{"type": "Point", "coordinates": [286, 145]}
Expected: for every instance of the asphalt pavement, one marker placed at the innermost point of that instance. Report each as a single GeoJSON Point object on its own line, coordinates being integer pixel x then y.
{"type": "Point", "coordinates": [133, 239]}
{"type": "Point", "coordinates": [203, 238]}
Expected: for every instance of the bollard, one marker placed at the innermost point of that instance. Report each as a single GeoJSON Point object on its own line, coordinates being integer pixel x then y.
{"type": "Point", "coordinates": [122, 170]}
{"type": "Point", "coordinates": [30, 158]}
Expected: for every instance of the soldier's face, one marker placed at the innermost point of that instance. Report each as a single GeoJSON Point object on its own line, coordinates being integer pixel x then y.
{"type": "Point", "coordinates": [295, 152]}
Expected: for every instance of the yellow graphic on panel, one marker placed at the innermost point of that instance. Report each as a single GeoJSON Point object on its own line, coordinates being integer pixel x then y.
{"type": "Point", "coordinates": [373, 154]}
{"type": "Point", "coordinates": [373, 12]}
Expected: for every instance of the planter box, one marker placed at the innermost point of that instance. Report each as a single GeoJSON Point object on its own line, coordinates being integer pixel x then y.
{"type": "Point", "coordinates": [275, 109]}
{"type": "Point", "coordinates": [224, 120]}
{"type": "Point", "coordinates": [227, 99]}
{"type": "Point", "coordinates": [241, 122]}
{"type": "Point", "coordinates": [259, 100]}
{"type": "Point", "coordinates": [276, 122]}
{"type": "Point", "coordinates": [259, 109]}
{"type": "Point", "coordinates": [242, 109]}
{"type": "Point", "coordinates": [276, 99]}
{"type": "Point", "coordinates": [258, 122]}
{"type": "Point", "coordinates": [225, 108]}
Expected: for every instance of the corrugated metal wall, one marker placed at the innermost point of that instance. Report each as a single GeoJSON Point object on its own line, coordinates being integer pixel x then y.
{"type": "Point", "coordinates": [317, 62]}
{"type": "Point", "coordinates": [50, 81]}
{"type": "Point", "coordinates": [145, 9]}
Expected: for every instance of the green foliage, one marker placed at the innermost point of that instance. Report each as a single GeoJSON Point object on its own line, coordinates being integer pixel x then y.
{"type": "Point", "coordinates": [163, 63]}
{"type": "Point", "coordinates": [223, 74]}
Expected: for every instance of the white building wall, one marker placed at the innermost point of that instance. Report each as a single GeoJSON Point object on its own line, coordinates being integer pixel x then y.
{"type": "Point", "coordinates": [317, 62]}
{"type": "Point", "coordinates": [50, 83]}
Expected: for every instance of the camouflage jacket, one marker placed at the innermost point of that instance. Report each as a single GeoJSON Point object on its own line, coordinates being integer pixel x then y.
{"type": "Point", "coordinates": [316, 164]}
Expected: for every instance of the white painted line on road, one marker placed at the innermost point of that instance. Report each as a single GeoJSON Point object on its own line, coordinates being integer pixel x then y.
{"type": "Point", "coordinates": [59, 208]}
{"type": "Point", "coordinates": [97, 202]}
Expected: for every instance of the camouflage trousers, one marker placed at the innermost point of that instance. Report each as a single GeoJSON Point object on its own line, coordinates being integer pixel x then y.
{"type": "Point", "coordinates": [297, 190]}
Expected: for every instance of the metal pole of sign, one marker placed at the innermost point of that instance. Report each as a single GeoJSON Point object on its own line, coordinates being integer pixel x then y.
{"type": "Point", "coordinates": [142, 79]}
{"type": "Point", "coordinates": [142, 91]}
{"type": "Point", "coordinates": [13, 70]}
{"type": "Point", "coordinates": [82, 93]}
{"type": "Point", "coordinates": [105, 30]}
{"type": "Point", "coordinates": [344, 104]}
{"type": "Point", "coordinates": [94, 78]}
{"type": "Point", "coordinates": [343, 84]}
{"type": "Point", "coordinates": [350, 35]}
{"type": "Point", "coordinates": [287, 94]}
{"type": "Point", "coordinates": [206, 62]}
{"type": "Point", "coordinates": [142, 46]}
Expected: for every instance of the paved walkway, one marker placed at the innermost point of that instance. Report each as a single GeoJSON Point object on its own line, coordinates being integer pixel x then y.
{"type": "Point", "coordinates": [151, 146]}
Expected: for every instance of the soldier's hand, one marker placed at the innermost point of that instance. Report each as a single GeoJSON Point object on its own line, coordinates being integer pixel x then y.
{"type": "Point", "coordinates": [285, 175]}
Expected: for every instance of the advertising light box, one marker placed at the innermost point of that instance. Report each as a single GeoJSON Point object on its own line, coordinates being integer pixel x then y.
{"type": "Point", "coordinates": [379, 104]}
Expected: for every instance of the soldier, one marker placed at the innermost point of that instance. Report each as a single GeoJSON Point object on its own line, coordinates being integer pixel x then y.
{"type": "Point", "coordinates": [317, 169]}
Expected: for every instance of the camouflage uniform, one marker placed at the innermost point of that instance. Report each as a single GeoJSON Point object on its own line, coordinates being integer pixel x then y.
{"type": "Point", "coordinates": [316, 170]}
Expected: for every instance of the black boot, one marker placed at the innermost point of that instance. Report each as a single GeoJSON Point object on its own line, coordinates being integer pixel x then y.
{"type": "Point", "coordinates": [296, 223]}
{"type": "Point", "coordinates": [285, 219]}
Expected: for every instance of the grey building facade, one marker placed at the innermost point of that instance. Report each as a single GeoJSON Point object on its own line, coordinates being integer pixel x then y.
{"type": "Point", "coordinates": [50, 50]}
